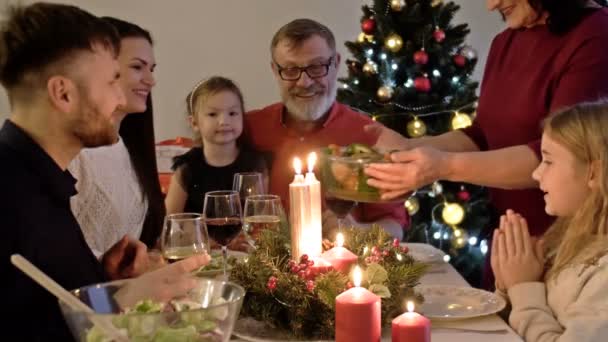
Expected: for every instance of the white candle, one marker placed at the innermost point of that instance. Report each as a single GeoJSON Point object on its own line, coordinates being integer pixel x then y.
{"type": "Point", "coordinates": [314, 233]}
{"type": "Point", "coordinates": [299, 209]}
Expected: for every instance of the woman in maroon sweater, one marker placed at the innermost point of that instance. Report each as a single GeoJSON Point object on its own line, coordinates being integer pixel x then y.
{"type": "Point", "coordinates": [553, 54]}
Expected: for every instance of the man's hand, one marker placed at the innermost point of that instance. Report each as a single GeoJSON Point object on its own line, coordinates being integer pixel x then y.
{"type": "Point", "coordinates": [128, 258]}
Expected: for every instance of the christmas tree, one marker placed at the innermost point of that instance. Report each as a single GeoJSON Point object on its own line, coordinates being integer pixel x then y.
{"type": "Point", "coordinates": [411, 71]}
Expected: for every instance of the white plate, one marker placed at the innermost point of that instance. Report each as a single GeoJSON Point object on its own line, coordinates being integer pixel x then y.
{"type": "Point", "coordinates": [251, 330]}
{"type": "Point", "coordinates": [444, 302]}
{"type": "Point", "coordinates": [424, 252]}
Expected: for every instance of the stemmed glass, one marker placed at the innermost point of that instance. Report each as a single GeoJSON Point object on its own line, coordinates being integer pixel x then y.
{"type": "Point", "coordinates": [248, 184]}
{"type": "Point", "coordinates": [262, 212]}
{"type": "Point", "coordinates": [340, 207]}
{"type": "Point", "coordinates": [223, 217]}
{"type": "Point", "coordinates": [184, 235]}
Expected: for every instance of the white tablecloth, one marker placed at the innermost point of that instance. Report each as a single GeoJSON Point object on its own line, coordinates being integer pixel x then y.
{"type": "Point", "coordinates": [446, 275]}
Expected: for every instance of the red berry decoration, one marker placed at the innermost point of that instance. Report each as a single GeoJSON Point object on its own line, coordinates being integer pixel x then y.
{"type": "Point", "coordinates": [310, 285]}
{"type": "Point", "coordinates": [460, 60]}
{"type": "Point", "coordinates": [295, 269]}
{"type": "Point", "coordinates": [310, 263]}
{"type": "Point", "coordinates": [439, 35]}
{"type": "Point", "coordinates": [395, 242]}
{"type": "Point", "coordinates": [349, 285]}
{"type": "Point", "coordinates": [304, 258]}
{"type": "Point", "coordinates": [385, 253]}
{"type": "Point", "coordinates": [463, 195]}
{"type": "Point", "coordinates": [405, 249]}
{"type": "Point", "coordinates": [272, 283]}
{"type": "Point", "coordinates": [421, 57]}
{"type": "Point", "coordinates": [368, 26]}
{"type": "Point", "coordinates": [422, 84]}
{"type": "Point", "coordinates": [302, 274]}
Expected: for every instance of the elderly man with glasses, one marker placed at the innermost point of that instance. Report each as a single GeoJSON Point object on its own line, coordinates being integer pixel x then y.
{"type": "Point", "coordinates": [305, 64]}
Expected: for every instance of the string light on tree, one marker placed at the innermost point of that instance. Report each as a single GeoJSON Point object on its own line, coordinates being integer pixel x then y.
{"type": "Point", "coordinates": [452, 213]}
{"type": "Point", "coordinates": [393, 42]}
{"type": "Point", "coordinates": [461, 120]}
{"type": "Point", "coordinates": [437, 188]}
{"type": "Point", "coordinates": [385, 93]}
{"type": "Point", "coordinates": [416, 128]}
{"type": "Point", "coordinates": [370, 68]}
{"type": "Point", "coordinates": [412, 205]}
{"type": "Point", "coordinates": [397, 5]}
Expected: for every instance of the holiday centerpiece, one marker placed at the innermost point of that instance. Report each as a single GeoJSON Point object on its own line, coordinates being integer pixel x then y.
{"type": "Point", "coordinates": [296, 288]}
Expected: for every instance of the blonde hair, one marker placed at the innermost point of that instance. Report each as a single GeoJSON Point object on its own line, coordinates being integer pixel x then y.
{"type": "Point", "coordinates": [206, 88]}
{"type": "Point", "coordinates": [582, 238]}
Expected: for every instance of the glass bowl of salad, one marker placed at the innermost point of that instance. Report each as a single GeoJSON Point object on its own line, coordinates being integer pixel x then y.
{"type": "Point", "coordinates": [206, 313]}
{"type": "Point", "coordinates": [343, 176]}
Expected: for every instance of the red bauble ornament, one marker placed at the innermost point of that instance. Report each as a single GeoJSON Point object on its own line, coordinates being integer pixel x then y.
{"type": "Point", "coordinates": [422, 84]}
{"type": "Point", "coordinates": [421, 57]}
{"type": "Point", "coordinates": [368, 26]}
{"type": "Point", "coordinates": [460, 60]}
{"type": "Point", "coordinates": [439, 35]}
{"type": "Point", "coordinates": [463, 195]}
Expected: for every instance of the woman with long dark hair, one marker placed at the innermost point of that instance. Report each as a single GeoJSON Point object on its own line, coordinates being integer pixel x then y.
{"type": "Point", "coordinates": [552, 55]}
{"type": "Point", "coordinates": [118, 188]}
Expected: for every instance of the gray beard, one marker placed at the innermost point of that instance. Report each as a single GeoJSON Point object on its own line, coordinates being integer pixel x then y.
{"type": "Point", "coordinates": [312, 111]}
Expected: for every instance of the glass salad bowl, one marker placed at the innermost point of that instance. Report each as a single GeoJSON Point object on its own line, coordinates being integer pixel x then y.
{"type": "Point", "coordinates": [207, 313]}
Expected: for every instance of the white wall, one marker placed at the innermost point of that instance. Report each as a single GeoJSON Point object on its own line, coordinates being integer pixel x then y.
{"type": "Point", "coordinates": [198, 38]}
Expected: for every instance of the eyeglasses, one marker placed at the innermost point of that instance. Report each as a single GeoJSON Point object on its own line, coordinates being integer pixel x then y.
{"type": "Point", "coordinates": [313, 71]}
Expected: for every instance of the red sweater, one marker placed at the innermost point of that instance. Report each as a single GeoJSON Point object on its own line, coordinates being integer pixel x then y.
{"type": "Point", "coordinates": [529, 74]}
{"type": "Point", "coordinates": [267, 133]}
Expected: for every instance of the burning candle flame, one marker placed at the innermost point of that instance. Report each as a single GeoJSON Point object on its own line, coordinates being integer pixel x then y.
{"type": "Point", "coordinates": [312, 159]}
{"type": "Point", "coordinates": [410, 306]}
{"type": "Point", "coordinates": [357, 276]}
{"type": "Point", "coordinates": [297, 165]}
{"type": "Point", "coordinates": [339, 240]}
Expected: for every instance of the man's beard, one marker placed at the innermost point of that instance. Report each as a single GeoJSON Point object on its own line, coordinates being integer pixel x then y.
{"type": "Point", "coordinates": [92, 128]}
{"type": "Point", "coordinates": [310, 110]}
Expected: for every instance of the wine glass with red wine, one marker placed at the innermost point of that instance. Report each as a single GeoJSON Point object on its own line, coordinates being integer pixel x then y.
{"type": "Point", "coordinates": [223, 217]}
{"type": "Point", "coordinates": [340, 207]}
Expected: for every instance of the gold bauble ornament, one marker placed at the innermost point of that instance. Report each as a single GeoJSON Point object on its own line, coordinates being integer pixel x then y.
{"type": "Point", "coordinates": [412, 205]}
{"type": "Point", "coordinates": [385, 93]}
{"type": "Point", "coordinates": [362, 38]}
{"type": "Point", "coordinates": [397, 5]}
{"type": "Point", "coordinates": [461, 120]}
{"type": "Point", "coordinates": [393, 42]}
{"type": "Point", "coordinates": [370, 67]}
{"type": "Point", "coordinates": [452, 213]}
{"type": "Point", "coordinates": [416, 128]}
{"type": "Point", "coordinates": [436, 3]}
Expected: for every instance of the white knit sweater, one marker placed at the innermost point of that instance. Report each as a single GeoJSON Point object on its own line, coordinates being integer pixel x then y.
{"type": "Point", "coordinates": [109, 203]}
{"type": "Point", "coordinates": [573, 307]}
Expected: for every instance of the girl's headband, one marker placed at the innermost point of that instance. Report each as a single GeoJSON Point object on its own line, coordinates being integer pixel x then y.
{"type": "Point", "coordinates": [191, 99]}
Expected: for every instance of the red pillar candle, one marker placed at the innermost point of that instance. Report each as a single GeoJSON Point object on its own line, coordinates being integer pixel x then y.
{"type": "Point", "coordinates": [411, 327]}
{"type": "Point", "coordinates": [357, 314]}
{"type": "Point", "coordinates": [319, 267]}
{"type": "Point", "coordinates": [339, 257]}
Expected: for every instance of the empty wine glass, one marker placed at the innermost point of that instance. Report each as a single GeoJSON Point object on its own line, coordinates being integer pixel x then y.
{"type": "Point", "coordinates": [223, 217]}
{"type": "Point", "coordinates": [262, 212]}
{"type": "Point", "coordinates": [184, 235]}
{"type": "Point", "coordinates": [340, 207]}
{"type": "Point", "coordinates": [248, 184]}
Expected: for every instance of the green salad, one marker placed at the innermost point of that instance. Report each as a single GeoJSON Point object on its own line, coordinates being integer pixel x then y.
{"type": "Point", "coordinates": [342, 172]}
{"type": "Point", "coordinates": [164, 322]}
